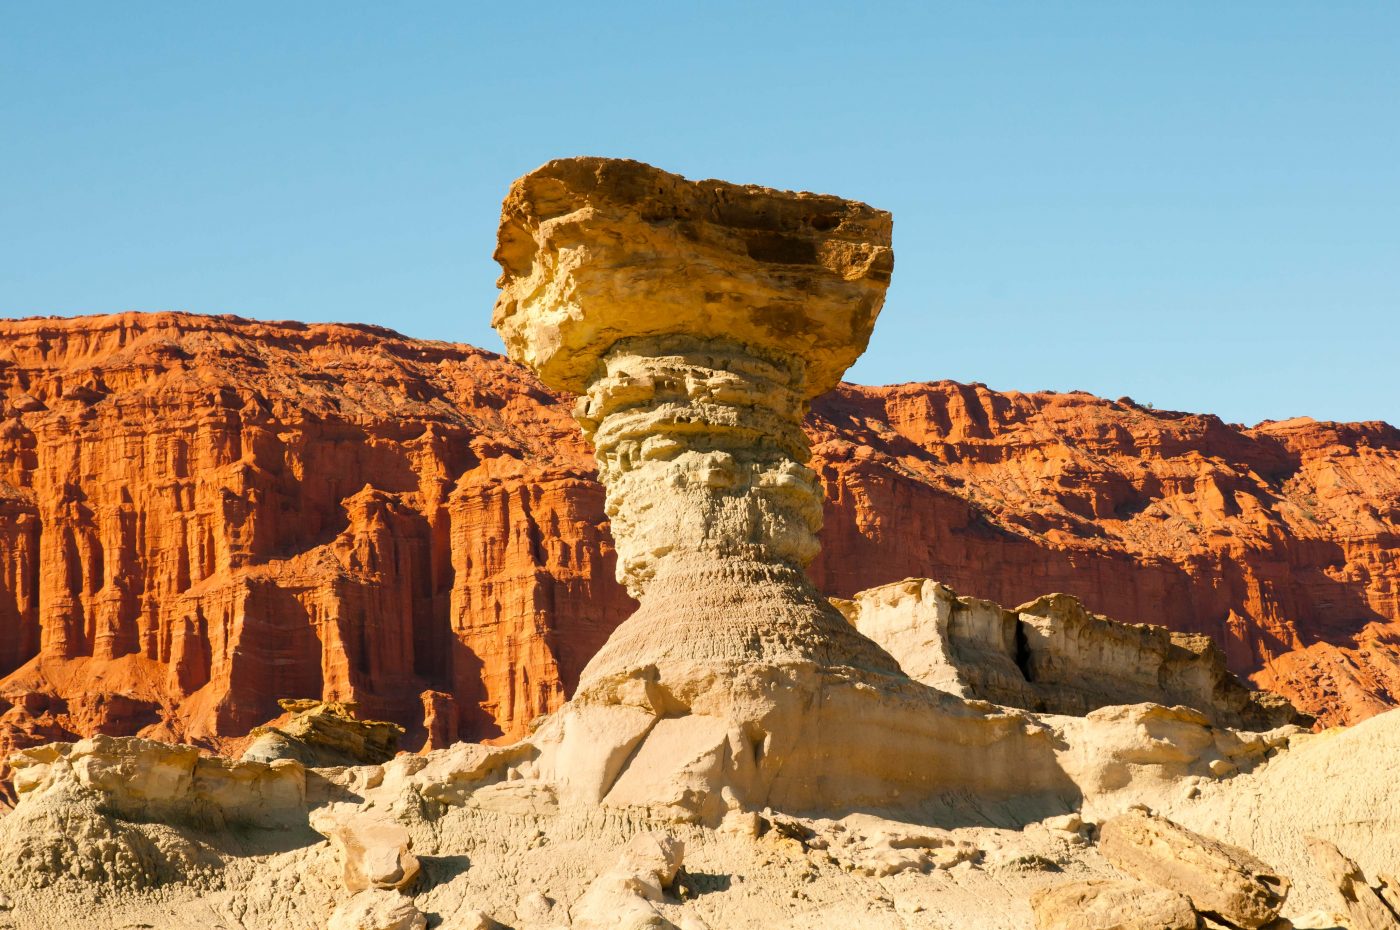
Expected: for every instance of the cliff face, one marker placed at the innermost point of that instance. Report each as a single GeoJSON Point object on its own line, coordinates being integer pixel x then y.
{"type": "Point", "coordinates": [201, 515]}
{"type": "Point", "coordinates": [1282, 542]}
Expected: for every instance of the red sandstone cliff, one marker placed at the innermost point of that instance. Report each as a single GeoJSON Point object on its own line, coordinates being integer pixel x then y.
{"type": "Point", "coordinates": [200, 515]}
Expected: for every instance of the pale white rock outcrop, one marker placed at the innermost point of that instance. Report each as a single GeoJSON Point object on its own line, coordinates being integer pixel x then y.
{"type": "Point", "coordinates": [165, 781]}
{"type": "Point", "coordinates": [1054, 656]}
{"type": "Point", "coordinates": [101, 810]}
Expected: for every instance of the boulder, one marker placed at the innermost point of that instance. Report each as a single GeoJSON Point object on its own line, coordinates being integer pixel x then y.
{"type": "Point", "coordinates": [372, 852]}
{"type": "Point", "coordinates": [1109, 904]}
{"type": "Point", "coordinates": [469, 919]}
{"type": "Point", "coordinates": [324, 733]}
{"type": "Point", "coordinates": [1389, 890]}
{"type": "Point", "coordinates": [870, 845]}
{"type": "Point", "coordinates": [1221, 880]}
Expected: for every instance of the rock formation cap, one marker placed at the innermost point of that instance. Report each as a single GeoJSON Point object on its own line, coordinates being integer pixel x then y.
{"type": "Point", "coordinates": [597, 250]}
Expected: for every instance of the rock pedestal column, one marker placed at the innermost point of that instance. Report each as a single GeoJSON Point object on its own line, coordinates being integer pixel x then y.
{"type": "Point", "coordinates": [700, 446]}
{"type": "Point", "coordinates": [697, 320]}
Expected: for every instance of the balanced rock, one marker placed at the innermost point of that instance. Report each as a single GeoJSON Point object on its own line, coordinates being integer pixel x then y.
{"type": "Point", "coordinates": [1367, 907]}
{"type": "Point", "coordinates": [1221, 880]}
{"type": "Point", "coordinates": [1107, 904]}
{"type": "Point", "coordinates": [372, 852]}
{"type": "Point", "coordinates": [697, 320]}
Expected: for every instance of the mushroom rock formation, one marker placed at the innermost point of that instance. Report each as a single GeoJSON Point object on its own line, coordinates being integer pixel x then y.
{"type": "Point", "coordinates": [696, 321]}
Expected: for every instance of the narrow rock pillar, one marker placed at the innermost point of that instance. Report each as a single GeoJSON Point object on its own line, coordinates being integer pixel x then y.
{"type": "Point", "coordinates": [696, 320]}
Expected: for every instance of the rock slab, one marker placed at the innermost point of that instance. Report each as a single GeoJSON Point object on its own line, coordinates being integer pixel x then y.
{"type": "Point", "coordinates": [1220, 880]}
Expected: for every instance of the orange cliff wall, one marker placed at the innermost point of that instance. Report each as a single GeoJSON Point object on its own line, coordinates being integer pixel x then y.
{"type": "Point", "coordinates": [1282, 542]}
{"type": "Point", "coordinates": [200, 515]}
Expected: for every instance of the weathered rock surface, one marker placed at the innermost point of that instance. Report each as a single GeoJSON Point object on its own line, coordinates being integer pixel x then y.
{"type": "Point", "coordinates": [625, 896]}
{"type": "Point", "coordinates": [879, 848]}
{"type": "Point", "coordinates": [376, 909]}
{"type": "Point", "coordinates": [1334, 784]}
{"type": "Point", "coordinates": [440, 723]}
{"type": "Point", "coordinates": [323, 733]}
{"type": "Point", "coordinates": [1221, 880]}
{"type": "Point", "coordinates": [594, 251]}
{"type": "Point", "coordinates": [735, 683]}
{"type": "Point", "coordinates": [469, 919]}
{"type": "Point", "coordinates": [373, 852]}
{"type": "Point", "coordinates": [81, 804]}
{"type": "Point", "coordinates": [146, 779]}
{"type": "Point", "coordinates": [1106, 904]}
{"type": "Point", "coordinates": [1054, 656]}
{"type": "Point", "coordinates": [697, 319]}
{"type": "Point", "coordinates": [186, 534]}
{"type": "Point", "coordinates": [494, 836]}
{"type": "Point", "coordinates": [1368, 907]}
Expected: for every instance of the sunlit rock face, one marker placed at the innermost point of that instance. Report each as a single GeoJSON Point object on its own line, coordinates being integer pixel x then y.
{"type": "Point", "coordinates": [1053, 656]}
{"type": "Point", "coordinates": [594, 251]}
{"type": "Point", "coordinates": [697, 319]}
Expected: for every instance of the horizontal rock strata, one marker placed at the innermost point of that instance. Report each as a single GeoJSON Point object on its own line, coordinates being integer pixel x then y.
{"type": "Point", "coordinates": [199, 515]}
{"type": "Point", "coordinates": [1052, 655]}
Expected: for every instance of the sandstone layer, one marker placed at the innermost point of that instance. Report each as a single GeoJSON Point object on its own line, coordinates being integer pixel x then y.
{"type": "Point", "coordinates": [735, 686]}
{"type": "Point", "coordinates": [594, 251]}
{"type": "Point", "coordinates": [697, 319]}
{"type": "Point", "coordinates": [199, 515]}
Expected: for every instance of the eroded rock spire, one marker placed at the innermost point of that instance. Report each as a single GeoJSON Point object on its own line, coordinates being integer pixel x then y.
{"type": "Point", "coordinates": [696, 320]}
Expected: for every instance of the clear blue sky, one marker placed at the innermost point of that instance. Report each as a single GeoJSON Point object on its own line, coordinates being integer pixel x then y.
{"type": "Point", "coordinates": [1193, 203]}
